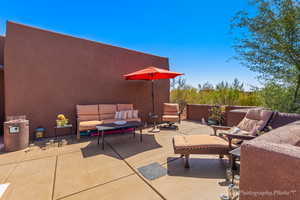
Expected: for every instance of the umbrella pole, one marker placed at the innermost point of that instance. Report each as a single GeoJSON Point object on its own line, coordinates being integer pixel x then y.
{"type": "Point", "coordinates": [152, 96]}
{"type": "Point", "coordinates": [154, 116]}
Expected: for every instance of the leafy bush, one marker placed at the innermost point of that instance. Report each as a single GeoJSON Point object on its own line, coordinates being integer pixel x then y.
{"type": "Point", "coordinates": [279, 97]}
{"type": "Point", "coordinates": [273, 95]}
{"type": "Point", "coordinates": [223, 93]}
{"type": "Point", "coordinates": [217, 113]}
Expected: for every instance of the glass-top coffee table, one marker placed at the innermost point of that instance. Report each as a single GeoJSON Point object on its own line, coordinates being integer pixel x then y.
{"type": "Point", "coordinates": [112, 126]}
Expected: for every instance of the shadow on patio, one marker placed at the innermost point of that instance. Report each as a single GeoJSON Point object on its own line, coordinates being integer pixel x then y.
{"type": "Point", "coordinates": [200, 167]}
{"type": "Point", "coordinates": [121, 141]}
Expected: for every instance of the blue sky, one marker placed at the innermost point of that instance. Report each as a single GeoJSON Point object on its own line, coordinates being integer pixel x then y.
{"type": "Point", "coordinates": [193, 34]}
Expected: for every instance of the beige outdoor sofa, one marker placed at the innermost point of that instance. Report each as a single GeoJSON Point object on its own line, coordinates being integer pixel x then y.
{"type": "Point", "coordinates": [254, 121]}
{"type": "Point", "coordinates": [89, 116]}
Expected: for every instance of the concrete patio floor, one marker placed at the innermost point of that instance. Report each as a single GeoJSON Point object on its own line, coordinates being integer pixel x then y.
{"type": "Point", "coordinates": [82, 170]}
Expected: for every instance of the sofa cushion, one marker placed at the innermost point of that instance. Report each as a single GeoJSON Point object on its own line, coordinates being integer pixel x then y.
{"type": "Point", "coordinates": [280, 119]}
{"type": "Point", "coordinates": [170, 118]}
{"type": "Point", "coordinates": [133, 119]}
{"type": "Point", "coordinates": [87, 112]}
{"type": "Point", "coordinates": [89, 125]}
{"type": "Point", "coordinates": [121, 107]}
{"type": "Point", "coordinates": [255, 120]}
{"type": "Point", "coordinates": [107, 111]}
{"type": "Point", "coordinates": [288, 134]}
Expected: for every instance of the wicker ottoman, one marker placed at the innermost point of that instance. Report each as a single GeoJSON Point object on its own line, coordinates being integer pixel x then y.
{"type": "Point", "coordinates": [199, 144]}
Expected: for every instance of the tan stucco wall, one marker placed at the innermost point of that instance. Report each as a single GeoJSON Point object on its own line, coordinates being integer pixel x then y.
{"type": "Point", "coordinates": [48, 73]}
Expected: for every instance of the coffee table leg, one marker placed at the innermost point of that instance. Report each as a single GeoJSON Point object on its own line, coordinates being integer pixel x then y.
{"type": "Point", "coordinates": [141, 134]}
{"type": "Point", "coordinates": [134, 132]}
{"type": "Point", "coordinates": [98, 136]}
{"type": "Point", "coordinates": [102, 139]}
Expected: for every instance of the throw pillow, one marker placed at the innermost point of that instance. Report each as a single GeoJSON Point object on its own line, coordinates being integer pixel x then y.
{"type": "Point", "coordinates": [135, 114]}
{"type": "Point", "coordinates": [126, 114]}
{"type": "Point", "coordinates": [123, 115]}
{"type": "Point", "coordinates": [129, 114]}
{"type": "Point", "coordinates": [117, 115]}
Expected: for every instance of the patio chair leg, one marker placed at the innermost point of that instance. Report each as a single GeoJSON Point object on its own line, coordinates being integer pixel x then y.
{"type": "Point", "coordinates": [187, 165]}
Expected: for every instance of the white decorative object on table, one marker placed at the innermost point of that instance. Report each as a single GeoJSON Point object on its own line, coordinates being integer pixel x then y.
{"type": "Point", "coordinates": [120, 122]}
{"type": "Point", "coordinates": [235, 130]}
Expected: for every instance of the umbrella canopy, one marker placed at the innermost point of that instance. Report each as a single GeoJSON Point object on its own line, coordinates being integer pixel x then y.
{"type": "Point", "coordinates": [151, 73]}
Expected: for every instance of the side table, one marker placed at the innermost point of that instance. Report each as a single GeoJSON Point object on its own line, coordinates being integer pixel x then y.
{"type": "Point", "coordinates": [154, 118]}
{"type": "Point", "coordinates": [69, 126]}
{"type": "Point", "coordinates": [234, 154]}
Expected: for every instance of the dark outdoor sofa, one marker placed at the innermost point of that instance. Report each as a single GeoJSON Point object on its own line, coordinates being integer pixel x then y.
{"type": "Point", "coordinates": [270, 163]}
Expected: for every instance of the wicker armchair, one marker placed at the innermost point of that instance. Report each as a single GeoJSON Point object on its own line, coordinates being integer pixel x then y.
{"type": "Point", "coordinates": [171, 114]}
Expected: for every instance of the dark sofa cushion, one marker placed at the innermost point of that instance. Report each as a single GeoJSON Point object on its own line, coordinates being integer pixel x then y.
{"type": "Point", "coordinates": [288, 134]}
{"type": "Point", "coordinates": [280, 119]}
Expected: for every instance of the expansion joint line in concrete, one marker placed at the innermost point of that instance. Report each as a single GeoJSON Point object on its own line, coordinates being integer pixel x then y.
{"type": "Point", "coordinates": [132, 168]}
{"type": "Point", "coordinates": [54, 177]}
{"type": "Point", "coordinates": [95, 186]}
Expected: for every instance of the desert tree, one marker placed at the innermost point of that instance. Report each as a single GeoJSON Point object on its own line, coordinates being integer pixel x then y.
{"type": "Point", "coordinates": [267, 41]}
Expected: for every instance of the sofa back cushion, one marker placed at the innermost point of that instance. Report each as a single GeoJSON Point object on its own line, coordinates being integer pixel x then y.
{"type": "Point", "coordinates": [255, 120]}
{"type": "Point", "coordinates": [171, 109]}
{"type": "Point", "coordinates": [288, 134]}
{"type": "Point", "coordinates": [121, 107]}
{"type": "Point", "coordinates": [87, 112]}
{"type": "Point", "coordinates": [107, 111]}
{"type": "Point", "coordinates": [280, 119]}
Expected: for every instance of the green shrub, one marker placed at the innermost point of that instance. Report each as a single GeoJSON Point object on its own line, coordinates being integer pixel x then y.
{"type": "Point", "coordinates": [222, 94]}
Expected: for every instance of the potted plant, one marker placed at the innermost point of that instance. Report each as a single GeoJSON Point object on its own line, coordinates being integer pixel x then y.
{"type": "Point", "coordinates": [216, 115]}
{"type": "Point", "coordinates": [61, 120]}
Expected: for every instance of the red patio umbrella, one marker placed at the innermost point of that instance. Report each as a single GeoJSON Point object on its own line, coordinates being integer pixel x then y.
{"type": "Point", "coordinates": [151, 73]}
